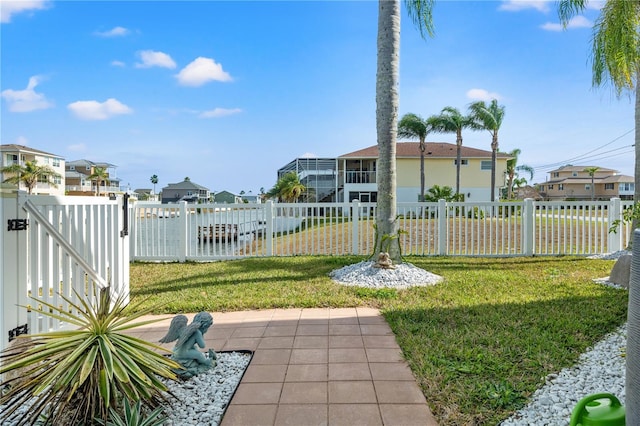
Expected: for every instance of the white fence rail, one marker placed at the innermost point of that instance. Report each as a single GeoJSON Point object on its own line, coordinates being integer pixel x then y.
{"type": "Point", "coordinates": [203, 232]}
{"type": "Point", "coordinates": [53, 246]}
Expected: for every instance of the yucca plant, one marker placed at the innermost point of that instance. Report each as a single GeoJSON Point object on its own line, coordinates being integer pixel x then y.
{"type": "Point", "coordinates": [133, 415]}
{"type": "Point", "coordinates": [74, 376]}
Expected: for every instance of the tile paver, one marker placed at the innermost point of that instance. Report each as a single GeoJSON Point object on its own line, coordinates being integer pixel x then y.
{"type": "Point", "coordinates": [317, 367]}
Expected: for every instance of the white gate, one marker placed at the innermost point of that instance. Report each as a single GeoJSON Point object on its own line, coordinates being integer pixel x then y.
{"type": "Point", "coordinates": [53, 246]}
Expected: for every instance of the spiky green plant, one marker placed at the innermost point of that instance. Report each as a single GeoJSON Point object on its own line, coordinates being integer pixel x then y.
{"type": "Point", "coordinates": [74, 376]}
{"type": "Point", "coordinates": [133, 415]}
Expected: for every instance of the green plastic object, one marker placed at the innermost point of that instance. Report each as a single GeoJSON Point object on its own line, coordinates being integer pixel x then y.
{"type": "Point", "coordinates": [600, 409]}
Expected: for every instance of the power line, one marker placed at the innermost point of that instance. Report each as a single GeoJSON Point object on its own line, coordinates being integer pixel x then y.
{"type": "Point", "coordinates": [585, 155]}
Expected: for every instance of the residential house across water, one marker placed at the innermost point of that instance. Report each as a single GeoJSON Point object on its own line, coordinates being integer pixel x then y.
{"type": "Point", "coordinates": [77, 179]}
{"type": "Point", "coordinates": [575, 183]}
{"type": "Point", "coordinates": [20, 154]}
{"type": "Point", "coordinates": [353, 175]}
{"type": "Point", "coordinates": [187, 191]}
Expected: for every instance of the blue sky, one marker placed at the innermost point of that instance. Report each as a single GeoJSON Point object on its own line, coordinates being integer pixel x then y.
{"type": "Point", "coordinates": [228, 92]}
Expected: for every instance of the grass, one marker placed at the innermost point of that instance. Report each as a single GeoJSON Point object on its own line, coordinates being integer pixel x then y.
{"type": "Point", "coordinates": [479, 343]}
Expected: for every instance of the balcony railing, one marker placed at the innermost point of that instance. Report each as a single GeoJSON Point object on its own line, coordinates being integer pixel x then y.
{"type": "Point", "coordinates": [359, 176]}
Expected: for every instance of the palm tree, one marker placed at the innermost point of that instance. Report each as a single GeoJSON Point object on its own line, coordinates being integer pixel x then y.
{"type": "Point", "coordinates": [288, 188]}
{"type": "Point", "coordinates": [616, 58]}
{"type": "Point", "coordinates": [415, 127]}
{"type": "Point", "coordinates": [488, 117]}
{"type": "Point", "coordinates": [437, 192]}
{"type": "Point", "coordinates": [387, 100]}
{"type": "Point", "coordinates": [512, 171]}
{"type": "Point", "coordinates": [30, 174]}
{"type": "Point", "coordinates": [451, 120]}
{"type": "Point", "coordinates": [99, 175]}
{"type": "Point", "coordinates": [592, 172]}
{"type": "Point", "coordinates": [154, 181]}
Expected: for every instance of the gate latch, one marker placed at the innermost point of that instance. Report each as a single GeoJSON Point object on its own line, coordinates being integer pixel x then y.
{"type": "Point", "coordinates": [21, 329]}
{"type": "Point", "coordinates": [17, 224]}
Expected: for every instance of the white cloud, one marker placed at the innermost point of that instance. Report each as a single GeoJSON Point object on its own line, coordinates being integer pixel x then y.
{"type": "Point", "coordinates": [220, 112]}
{"type": "Point", "coordinates": [309, 155]}
{"type": "Point", "coordinates": [118, 64]}
{"type": "Point", "coordinates": [12, 7]}
{"type": "Point", "coordinates": [114, 32]}
{"type": "Point", "coordinates": [482, 95]}
{"type": "Point", "coordinates": [151, 58]}
{"type": "Point", "coordinates": [517, 5]}
{"type": "Point", "coordinates": [94, 110]}
{"type": "Point", "coordinates": [575, 22]}
{"type": "Point", "coordinates": [595, 4]}
{"type": "Point", "coordinates": [201, 71]}
{"type": "Point", "coordinates": [79, 147]}
{"type": "Point", "coordinates": [28, 99]}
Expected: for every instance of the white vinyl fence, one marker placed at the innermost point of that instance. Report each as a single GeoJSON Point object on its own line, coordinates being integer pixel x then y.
{"type": "Point", "coordinates": [205, 232]}
{"type": "Point", "coordinates": [53, 246]}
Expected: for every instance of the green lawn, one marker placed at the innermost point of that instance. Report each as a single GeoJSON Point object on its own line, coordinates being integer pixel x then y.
{"type": "Point", "coordinates": [479, 343]}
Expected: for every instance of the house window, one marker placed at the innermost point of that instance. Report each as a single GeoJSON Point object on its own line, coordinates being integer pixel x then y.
{"type": "Point", "coordinates": [72, 167]}
{"type": "Point", "coordinates": [550, 187]}
{"type": "Point", "coordinates": [555, 174]}
{"type": "Point", "coordinates": [574, 174]}
{"type": "Point", "coordinates": [12, 159]}
{"type": "Point", "coordinates": [627, 186]}
{"type": "Point", "coordinates": [608, 186]}
{"type": "Point", "coordinates": [56, 162]}
{"type": "Point", "coordinates": [88, 168]}
{"type": "Point", "coordinates": [463, 162]}
{"type": "Point", "coordinates": [561, 187]}
{"type": "Point", "coordinates": [485, 165]}
{"type": "Point", "coordinates": [587, 187]}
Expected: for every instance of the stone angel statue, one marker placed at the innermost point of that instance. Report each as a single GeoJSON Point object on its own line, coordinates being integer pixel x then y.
{"type": "Point", "coordinates": [189, 338]}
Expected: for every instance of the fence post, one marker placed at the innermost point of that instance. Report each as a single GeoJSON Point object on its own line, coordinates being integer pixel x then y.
{"type": "Point", "coordinates": [268, 217]}
{"type": "Point", "coordinates": [443, 219]}
{"type": "Point", "coordinates": [184, 234]}
{"type": "Point", "coordinates": [13, 265]}
{"type": "Point", "coordinates": [528, 230]}
{"type": "Point", "coordinates": [615, 242]}
{"type": "Point", "coordinates": [355, 227]}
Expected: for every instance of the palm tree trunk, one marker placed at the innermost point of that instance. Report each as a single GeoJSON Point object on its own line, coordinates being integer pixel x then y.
{"type": "Point", "coordinates": [421, 196]}
{"type": "Point", "coordinates": [458, 159]}
{"type": "Point", "coordinates": [494, 155]}
{"type": "Point", "coordinates": [632, 378]}
{"type": "Point", "coordinates": [636, 191]}
{"type": "Point", "coordinates": [387, 99]}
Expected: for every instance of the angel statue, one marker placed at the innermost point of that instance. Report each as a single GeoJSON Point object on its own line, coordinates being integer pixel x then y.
{"type": "Point", "coordinates": [185, 351]}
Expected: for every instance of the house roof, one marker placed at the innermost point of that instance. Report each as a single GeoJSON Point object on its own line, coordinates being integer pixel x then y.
{"type": "Point", "coordinates": [84, 162]}
{"type": "Point", "coordinates": [618, 178]}
{"type": "Point", "coordinates": [570, 168]}
{"type": "Point", "coordinates": [15, 147]}
{"type": "Point", "coordinates": [587, 179]}
{"type": "Point", "coordinates": [432, 150]}
{"type": "Point", "coordinates": [186, 184]}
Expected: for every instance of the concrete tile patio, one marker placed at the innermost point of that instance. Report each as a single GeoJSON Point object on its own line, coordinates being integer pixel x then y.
{"type": "Point", "coordinates": [316, 367]}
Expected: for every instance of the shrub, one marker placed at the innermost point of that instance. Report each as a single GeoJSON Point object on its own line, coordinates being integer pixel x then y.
{"type": "Point", "coordinates": [74, 376]}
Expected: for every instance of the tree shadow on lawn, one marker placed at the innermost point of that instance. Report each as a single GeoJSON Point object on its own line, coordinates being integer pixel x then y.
{"type": "Point", "coordinates": [478, 364]}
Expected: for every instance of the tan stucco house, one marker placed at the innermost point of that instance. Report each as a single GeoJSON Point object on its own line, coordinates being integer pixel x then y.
{"type": "Point", "coordinates": [575, 183]}
{"type": "Point", "coordinates": [353, 175]}
{"type": "Point", "coordinates": [20, 154]}
{"type": "Point", "coordinates": [77, 174]}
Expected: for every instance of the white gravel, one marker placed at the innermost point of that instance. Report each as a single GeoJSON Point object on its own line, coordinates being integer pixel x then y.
{"type": "Point", "coordinates": [404, 275]}
{"type": "Point", "coordinates": [203, 398]}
